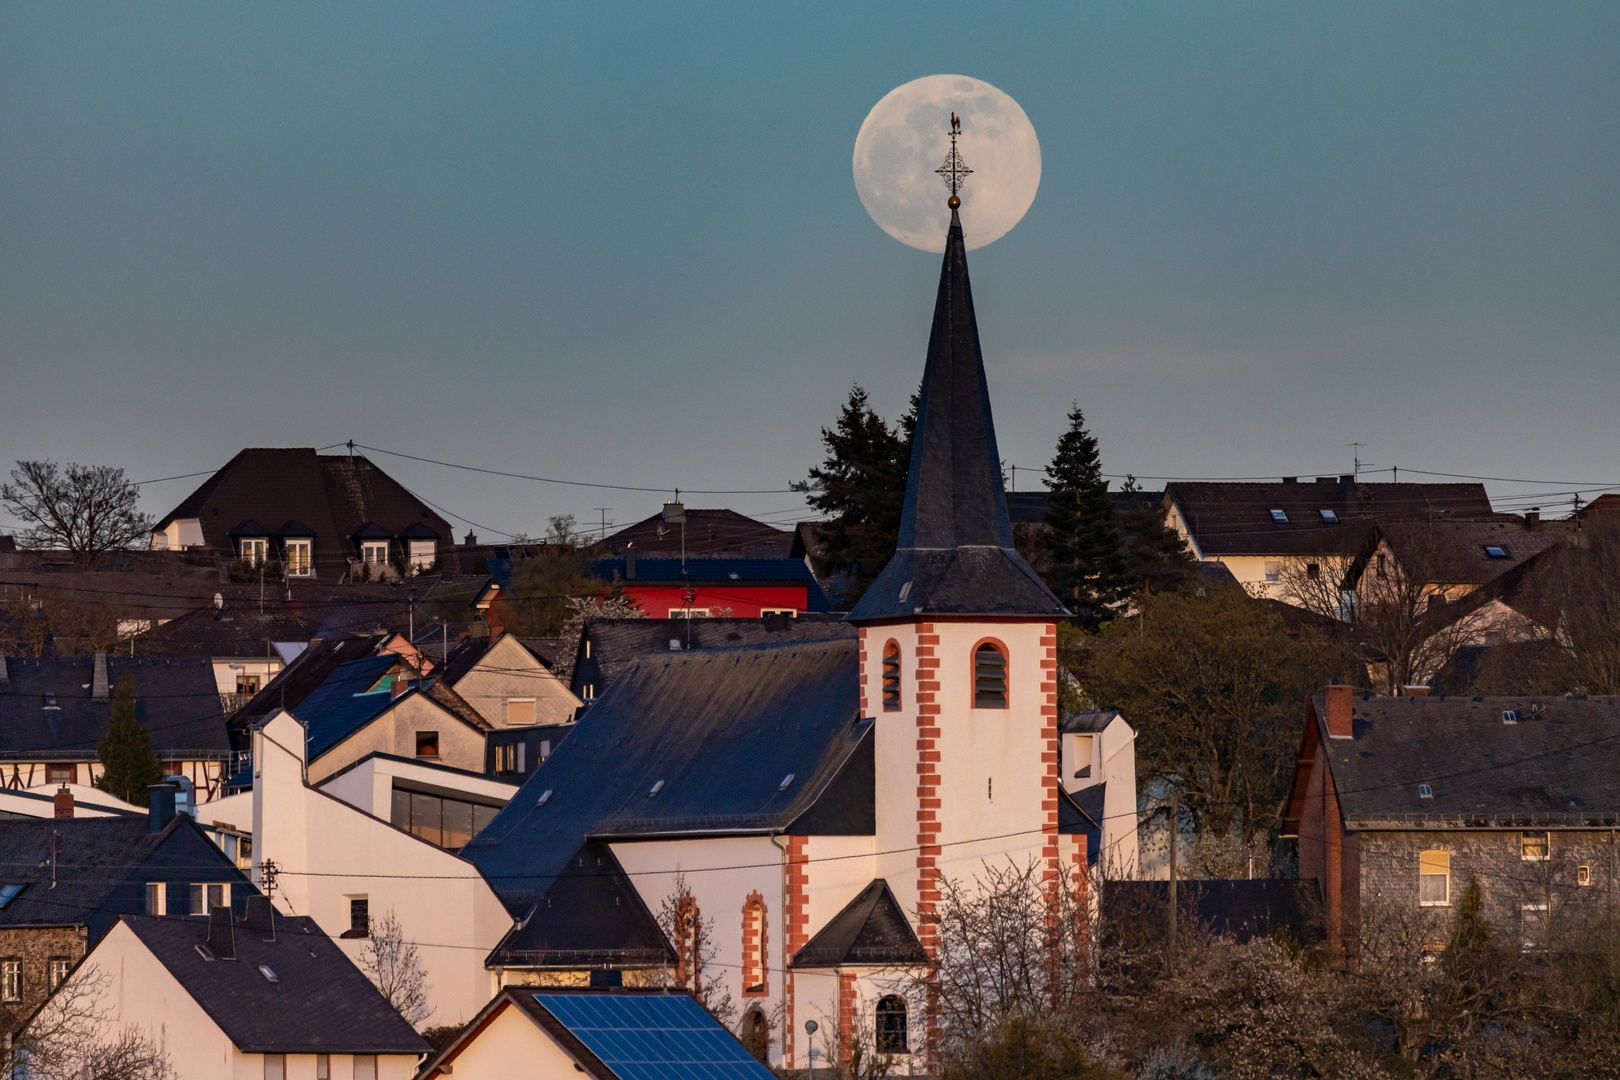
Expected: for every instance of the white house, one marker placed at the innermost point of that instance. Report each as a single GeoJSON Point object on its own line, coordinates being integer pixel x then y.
{"type": "Point", "coordinates": [780, 817]}
{"type": "Point", "coordinates": [1099, 781]}
{"type": "Point", "coordinates": [338, 860]}
{"type": "Point", "coordinates": [259, 997]}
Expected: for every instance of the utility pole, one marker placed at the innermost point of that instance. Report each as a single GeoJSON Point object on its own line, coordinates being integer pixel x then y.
{"type": "Point", "coordinates": [1175, 837]}
{"type": "Point", "coordinates": [603, 511]}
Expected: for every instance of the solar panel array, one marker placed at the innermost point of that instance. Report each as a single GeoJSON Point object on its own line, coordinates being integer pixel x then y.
{"type": "Point", "coordinates": [654, 1036]}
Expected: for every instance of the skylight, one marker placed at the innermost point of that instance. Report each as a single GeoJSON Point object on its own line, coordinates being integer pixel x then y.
{"type": "Point", "coordinates": [786, 782]}
{"type": "Point", "coordinates": [1280, 517]}
{"type": "Point", "coordinates": [545, 797]}
{"type": "Point", "coordinates": [8, 893]}
{"type": "Point", "coordinates": [1510, 716]}
{"type": "Point", "coordinates": [1496, 551]}
{"type": "Point", "coordinates": [656, 788]}
{"type": "Point", "coordinates": [1329, 516]}
{"type": "Point", "coordinates": [1425, 791]}
{"type": "Point", "coordinates": [264, 969]}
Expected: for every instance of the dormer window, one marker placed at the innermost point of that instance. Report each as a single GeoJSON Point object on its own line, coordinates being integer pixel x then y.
{"type": "Point", "coordinates": [300, 558]}
{"type": "Point", "coordinates": [374, 553]}
{"type": "Point", "coordinates": [255, 549]}
{"type": "Point", "coordinates": [1280, 517]}
{"type": "Point", "coordinates": [424, 553]}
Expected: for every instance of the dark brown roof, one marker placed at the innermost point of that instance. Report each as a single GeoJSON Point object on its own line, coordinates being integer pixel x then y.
{"type": "Point", "coordinates": [333, 496]}
{"type": "Point", "coordinates": [1459, 552]}
{"type": "Point", "coordinates": [708, 532]}
{"type": "Point", "coordinates": [1236, 518]}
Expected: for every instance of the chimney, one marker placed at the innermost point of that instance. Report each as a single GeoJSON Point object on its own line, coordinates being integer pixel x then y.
{"type": "Point", "coordinates": [98, 681]}
{"type": "Point", "coordinates": [1290, 479]}
{"type": "Point", "coordinates": [258, 914]}
{"type": "Point", "coordinates": [221, 932]}
{"type": "Point", "coordinates": [1532, 519]}
{"type": "Point", "coordinates": [471, 539]}
{"type": "Point", "coordinates": [1347, 492]}
{"type": "Point", "coordinates": [159, 807]}
{"type": "Point", "coordinates": [1338, 712]}
{"type": "Point", "coordinates": [630, 561]}
{"type": "Point", "coordinates": [64, 802]}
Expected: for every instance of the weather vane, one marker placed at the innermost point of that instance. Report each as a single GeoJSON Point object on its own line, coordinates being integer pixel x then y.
{"type": "Point", "coordinates": [955, 171]}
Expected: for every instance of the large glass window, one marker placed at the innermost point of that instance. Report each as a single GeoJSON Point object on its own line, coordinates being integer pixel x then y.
{"type": "Point", "coordinates": [449, 823]}
{"type": "Point", "coordinates": [989, 677]}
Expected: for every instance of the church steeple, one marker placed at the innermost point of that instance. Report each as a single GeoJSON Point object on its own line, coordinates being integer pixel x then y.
{"type": "Point", "coordinates": [955, 554]}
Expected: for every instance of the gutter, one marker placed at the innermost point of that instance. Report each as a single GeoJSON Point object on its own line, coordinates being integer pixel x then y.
{"type": "Point", "coordinates": [782, 918]}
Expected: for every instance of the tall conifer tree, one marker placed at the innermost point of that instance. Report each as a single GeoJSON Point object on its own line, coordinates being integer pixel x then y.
{"type": "Point", "coordinates": [129, 764]}
{"type": "Point", "coordinates": [1083, 537]}
{"type": "Point", "coordinates": [1155, 558]}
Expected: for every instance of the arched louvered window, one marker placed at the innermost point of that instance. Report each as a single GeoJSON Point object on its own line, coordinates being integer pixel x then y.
{"type": "Point", "coordinates": [989, 677]}
{"type": "Point", "coordinates": [891, 1025]}
{"type": "Point", "coordinates": [891, 677]}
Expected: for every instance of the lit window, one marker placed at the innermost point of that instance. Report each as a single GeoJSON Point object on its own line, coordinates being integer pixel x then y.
{"type": "Point", "coordinates": [1496, 551]}
{"type": "Point", "coordinates": [157, 899]}
{"type": "Point", "coordinates": [989, 677]}
{"type": "Point", "coordinates": [59, 968]}
{"type": "Point", "coordinates": [891, 677]}
{"type": "Point", "coordinates": [427, 744]}
{"type": "Point", "coordinates": [300, 561]}
{"type": "Point", "coordinates": [1279, 517]}
{"type": "Point", "coordinates": [891, 1025]}
{"type": "Point", "coordinates": [1533, 846]}
{"type": "Point", "coordinates": [374, 552]}
{"type": "Point", "coordinates": [1434, 878]}
{"type": "Point", "coordinates": [1583, 875]}
{"type": "Point", "coordinates": [10, 980]}
{"type": "Point", "coordinates": [253, 551]}
{"type": "Point", "coordinates": [1330, 517]}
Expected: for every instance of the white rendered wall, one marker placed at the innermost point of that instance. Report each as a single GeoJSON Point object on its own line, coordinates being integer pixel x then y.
{"type": "Point", "coordinates": [394, 732]}
{"type": "Point", "coordinates": [329, 852]}
{"type": "Point", "coordinates": [369, 785]}
{"type": "Point", "coordinates": [508, 670]}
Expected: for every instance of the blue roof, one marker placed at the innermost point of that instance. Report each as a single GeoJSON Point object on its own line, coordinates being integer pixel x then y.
{"type": "Point", "coordinates": [653, 1036]}
{"type": "Point", "coordinates": [342, 705]}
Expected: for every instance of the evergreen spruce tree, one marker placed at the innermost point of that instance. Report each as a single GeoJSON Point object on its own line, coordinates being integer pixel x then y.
{"type": "Point", "coordinates": [862, 486]}
{"type": "Point", "coordinates": [1155, 559]}
{"type": "Point", "coordinates": [1083, 538]}
{"type": "Point", "coordinates": [129, 764]}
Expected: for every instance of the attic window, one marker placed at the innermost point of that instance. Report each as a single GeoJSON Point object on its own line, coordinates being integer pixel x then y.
{"type": "Point", "coordinates": [1329, 516]}
{"type": "Point", "coordinates": [8, 893]}
{"type": "Point", "coordinates": [1496, 551]}
{"type": "Point", "coordinates": [545, 797]}
{"type": "Point", "coordinates": [1280, 517]}
{"type": "Point", "coordinates": [787, 781]}
{"type": "Point", "coordinates": [656, 788]}
{"type": "Point", "coordinates": [427, 744]}
{"type": "Point", "coordinates": [269, 975]}
{"type": "Point", "coordinates": [1510, 716]}
{"type": "Point", "coordinates": [50, 702]}
{"type": "Point", "coordinates": [1425, 791]}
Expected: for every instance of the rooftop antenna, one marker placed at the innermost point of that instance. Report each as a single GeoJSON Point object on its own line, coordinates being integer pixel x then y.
{"type": "Point", "coordinates": [603, 511]}
{"type": "Point", "coordinates": [955, 171]}
{"type": "Point", "coordinates": [1356, 449]}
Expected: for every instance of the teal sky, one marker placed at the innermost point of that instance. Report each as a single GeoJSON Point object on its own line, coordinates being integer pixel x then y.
{"type": "Point", "coordinates": [622, 244]}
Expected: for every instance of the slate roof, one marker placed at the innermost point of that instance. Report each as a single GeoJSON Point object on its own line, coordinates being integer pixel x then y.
{"type": "Point", "coordinates": [294, 683]}
{"type": "Point", "coordinates": [346, 702]}
{"type": "Point", "coordinates": [102, 867]}
{"type": "Point", "coordinates": [1453, 552]}
{"type": "Point", "coordinates": [177, 699]}
{"type": "Point", "coordinates": [870, 931]}
{"type": "Point", "coordinates": [319, 1003]}
{"type": "Point", "coordinates": [1029, 507]}
{"type": "Point", "coordinates": [1230, 518]}
{"type": "Point", "coordinates": [1089, 721]}
{"type": "Point", "coordinates": [1554, 767]}
{"type": "Point", "coordinates": [1081, 814]}
{"type": "Point", "coordinates": [616, 643]}
{"type": "Point", "coordinates": [1244, 909]}
{"type": "Point", "coordinates": [545, 649]}
{"type": "Point", "coordinates": [711, 533]}
{"type": "Point", "coordinates": [955, 553]}
{"type": "Point", "coordinates": [332, 495]}
{"type": "Point", "coordinates": [721, 729]}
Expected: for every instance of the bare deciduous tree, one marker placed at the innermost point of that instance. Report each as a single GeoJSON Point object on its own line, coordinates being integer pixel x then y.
{"type": "Point", "coordinates": [580, 609]}
{"type": "Point", "coordinates": [395, 966]}
{"type": "Point", "coordinates": [689, 931]}
{"type": "Point", "coordinates": [72, 1038]}
{"type": "Point", "coordinates": [86, 509]}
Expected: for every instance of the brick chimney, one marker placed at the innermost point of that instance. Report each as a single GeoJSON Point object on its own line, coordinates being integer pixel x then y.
{"type": "Point", "coordinates": [64, 802]}
{"type": "Point", "coordinates": [1338, 712]}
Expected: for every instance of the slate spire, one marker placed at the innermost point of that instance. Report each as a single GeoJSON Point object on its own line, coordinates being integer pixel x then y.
{"type": "Point", "coordinates": [955, 554]}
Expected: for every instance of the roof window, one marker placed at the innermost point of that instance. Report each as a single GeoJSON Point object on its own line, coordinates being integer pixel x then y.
{"type": "Point", "coordinates": [1496, 551]}
{"type": "Point", "coordinates": [1510, 716]}
{"type": "Point", "coordinates": [50, 702]}
{"type": "Point", "coordinates": [656, 788]}
{"type": "Point", "coordinates": [1280, 517]}
{"type": "Point", "coordinates": [1329, 516]}
{"type": "Point", "coordinates": [545, 797]}
{"type": "Point", "coordinates": [270, 976]}
{"type": "Point", "coordinates": [787, 782]}
{"type": "Point", "coordinates": [8, 893]}
{"type": "Point", "coordinates": [1425, 791]}
{"type": "Point", "coordinates": [206, 953]}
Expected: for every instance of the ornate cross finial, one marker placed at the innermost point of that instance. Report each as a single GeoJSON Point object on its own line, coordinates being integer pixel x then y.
{"type": "Point", "coordinates": [955, 171]}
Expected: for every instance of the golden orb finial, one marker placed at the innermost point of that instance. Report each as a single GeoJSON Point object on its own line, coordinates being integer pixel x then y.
{"type": "Point", "coordinates": [953, 202]}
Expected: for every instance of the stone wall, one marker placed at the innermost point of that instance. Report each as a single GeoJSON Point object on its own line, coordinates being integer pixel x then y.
{"type": "Point", "coordinates": [34, 949]}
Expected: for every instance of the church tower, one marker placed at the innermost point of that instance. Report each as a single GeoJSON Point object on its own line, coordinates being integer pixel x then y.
{"type": "Point", "coordinates": [958, 642]}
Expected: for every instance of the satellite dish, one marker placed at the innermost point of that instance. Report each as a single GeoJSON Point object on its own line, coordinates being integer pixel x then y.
{"type": "Point", "coordinates": [219, 601]}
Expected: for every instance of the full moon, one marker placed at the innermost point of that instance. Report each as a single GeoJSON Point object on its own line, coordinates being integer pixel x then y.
{"type": "Point", "coordinates": [906, 137]}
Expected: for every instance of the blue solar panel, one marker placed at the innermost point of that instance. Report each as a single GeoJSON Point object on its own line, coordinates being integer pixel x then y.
{"type": "Point", "coordinates": [654, 1036]}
